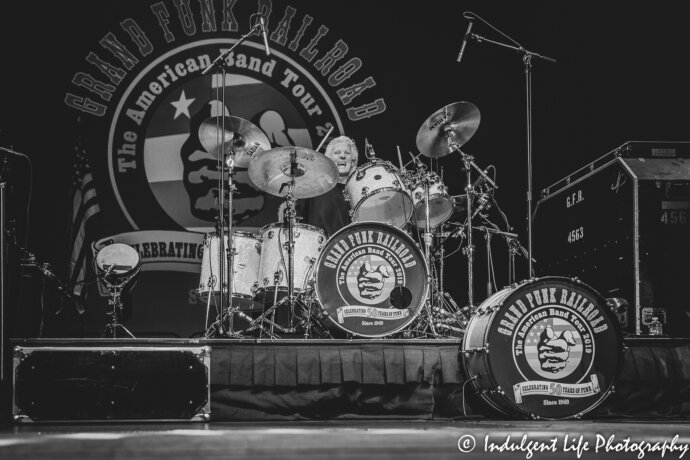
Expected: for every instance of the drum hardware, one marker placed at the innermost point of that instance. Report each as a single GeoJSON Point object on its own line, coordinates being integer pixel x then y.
{"type": "Point", "coordinates": [117, 265]}
{"type": "Point", "coordinates": [442, 133]}
{"type": "Point", "coordinates": [291, 173]}
{"type": "Point", "coordinates": [234, 141]}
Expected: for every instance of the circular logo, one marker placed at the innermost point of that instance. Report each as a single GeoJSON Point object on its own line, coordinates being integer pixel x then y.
{"type": "Point", "coordinates": [371, 279]}
{"type": "Point", "coordinates": [159, 169]}
{"type": "Point", "coordinates": [555, 349]}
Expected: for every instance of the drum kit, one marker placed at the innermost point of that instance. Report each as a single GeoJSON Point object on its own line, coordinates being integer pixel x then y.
{"type": "Point", "coordinates": [369, 279]}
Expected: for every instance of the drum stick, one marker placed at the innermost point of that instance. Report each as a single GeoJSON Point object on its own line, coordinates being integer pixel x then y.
{"type": "Point", "coordinates": [324, 139]}
{"type": "Point", "coordinates": [400, 158]}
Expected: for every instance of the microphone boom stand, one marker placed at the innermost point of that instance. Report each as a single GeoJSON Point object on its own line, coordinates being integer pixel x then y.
{"type": "Point", "coordinates": [527, 62]}
{"type": "Point", "coordinates": [223, 253]}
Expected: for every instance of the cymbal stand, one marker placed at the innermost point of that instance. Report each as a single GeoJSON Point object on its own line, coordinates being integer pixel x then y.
{"type": "Point", "coordinates": [468, 161]}
{"type": "Point", "coordinates": [289, 221]}
{"type": "Point", "coordinates": [428, 237]}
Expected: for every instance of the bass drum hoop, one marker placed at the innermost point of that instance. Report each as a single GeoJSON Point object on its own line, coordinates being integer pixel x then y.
{"type": "Point", "coordinates": [412, 244]}
{"type": "Point", "coordinates": [498, 400]}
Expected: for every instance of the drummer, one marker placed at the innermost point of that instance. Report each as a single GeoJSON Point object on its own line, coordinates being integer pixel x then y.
{"type": "Point", "coordinates": [330, 211]}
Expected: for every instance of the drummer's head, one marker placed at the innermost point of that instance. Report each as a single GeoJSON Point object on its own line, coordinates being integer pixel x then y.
{"type": "Point", "coordinates": [343, 152]}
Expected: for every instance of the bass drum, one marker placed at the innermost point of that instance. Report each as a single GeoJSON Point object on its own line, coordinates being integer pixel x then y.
{"type": "Point", "coordinates": [555, 349]}
{"type": "Point", "coordinates": [371, 279]}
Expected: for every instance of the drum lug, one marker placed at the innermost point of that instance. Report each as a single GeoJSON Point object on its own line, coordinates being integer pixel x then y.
{"type": "Point", "coordinates": [360, 175]}
{"type": "Point", "coordinates": [497, 390]}
{"type": "Point", "coordinates": [346, 195]}
{"type": "Point", "coordinates": [469, 351]}
{"type": "Point", "coordinates": [396, 184]}
{"type": "Point", "coordinates": [351, 212]}
{"type": "Point", "coordinates": [365, 191]}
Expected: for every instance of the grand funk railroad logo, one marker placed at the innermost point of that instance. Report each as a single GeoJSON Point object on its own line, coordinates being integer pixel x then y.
{"type": "Point", "coordinates": [561, 341]}
{"type": "Point", "coordinates": [149, 76]}
{"type": "Point", "coordinates": [371, 278]}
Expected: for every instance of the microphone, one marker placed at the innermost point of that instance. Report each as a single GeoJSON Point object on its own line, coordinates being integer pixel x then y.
{"type": "Point", "coordinates": [479, 181]}
{"type": "Point", "coordinates": [265, 35]}
{"type": "Point", "coordinates": [464, 41]}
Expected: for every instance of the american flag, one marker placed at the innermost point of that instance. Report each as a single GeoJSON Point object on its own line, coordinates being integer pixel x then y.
{"type": "Point", "coordinates": [84, 207]}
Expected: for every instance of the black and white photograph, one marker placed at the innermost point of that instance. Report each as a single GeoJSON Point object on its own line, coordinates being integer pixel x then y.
{"type": "Point", "coordinates": [305, 229]}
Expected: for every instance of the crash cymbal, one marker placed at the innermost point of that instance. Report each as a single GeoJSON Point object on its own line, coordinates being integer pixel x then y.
{"type": "Point", "coordinates": [457, 121]}
{"type": "Point", "coordinates": [315, 173]}
{"type": "Point", "coordinates": [243, 139]}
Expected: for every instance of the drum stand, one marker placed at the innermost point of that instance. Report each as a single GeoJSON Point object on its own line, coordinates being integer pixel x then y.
{"type": "Point", "coordinates": [468, 160]}
{"type": "Point", "coordinates": [115, 302]}
{"type": "Point", "coordinates": [289, 223]}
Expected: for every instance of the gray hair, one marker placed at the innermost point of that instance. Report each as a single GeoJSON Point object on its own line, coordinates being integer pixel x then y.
{"type": "Point", "coordinates": [350, 143]}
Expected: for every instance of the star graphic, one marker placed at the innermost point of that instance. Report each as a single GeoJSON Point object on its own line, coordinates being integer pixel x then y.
{"type": "Point", "coordinates": [182, 105]}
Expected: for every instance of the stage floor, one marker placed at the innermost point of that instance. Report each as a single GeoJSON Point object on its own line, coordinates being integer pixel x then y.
{"type": "Point", "coordinates": [393, 440]}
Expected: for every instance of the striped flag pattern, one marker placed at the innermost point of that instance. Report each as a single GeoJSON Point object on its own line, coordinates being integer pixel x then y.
{"type": "Point", "coordinates": [84, 207]}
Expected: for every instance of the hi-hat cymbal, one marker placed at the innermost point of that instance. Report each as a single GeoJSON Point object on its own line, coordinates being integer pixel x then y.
{"type": "Point", "coordinates": [315, 174]}
{"type": "Point", "coordinates": [457, 121]}
{"type": "Point", "coordinates": [242, 138]}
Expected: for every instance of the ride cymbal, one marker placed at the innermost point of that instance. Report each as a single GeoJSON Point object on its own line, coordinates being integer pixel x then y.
{"type": "Point", "coordinates": [456, 122]}
{"type": "Point", "coordinates": [242, 138]}
{"type": "Point", "coordinates": [314, 173]}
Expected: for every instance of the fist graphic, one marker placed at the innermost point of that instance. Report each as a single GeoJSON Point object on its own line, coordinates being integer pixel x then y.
{"type": "Point", "coordinates": [202, 172]}
{"type": "Point", "coordinates": [370, 280]}
{"type": "Point", "coordinates": [554, 349]}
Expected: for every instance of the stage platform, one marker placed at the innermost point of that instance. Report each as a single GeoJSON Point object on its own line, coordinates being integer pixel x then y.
{"type": "Point", "coordinates": [293, 379]}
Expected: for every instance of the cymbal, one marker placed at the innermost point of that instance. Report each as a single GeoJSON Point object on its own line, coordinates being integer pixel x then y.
{"type": "Point", "coordinates": [457, 121]}
{"type": "Point", "coordinates": [243, 139]}
{"type": "Point", "coordinates": [315, 173]}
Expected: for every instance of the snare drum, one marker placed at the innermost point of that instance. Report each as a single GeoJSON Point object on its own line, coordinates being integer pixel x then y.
{"type": "Point", "coordinates": [245, 273]}
{"type": "Point", "coordinates": [371, 279]}
{"type": "Point", "coordinates": [556, 349]}
{"type": "Point", "coordinates": [117, 262]}
{"type": "Point", "coordinates": [309, 241]}
{"type": "Point", "coordinates": [377, 193]}
{"type": "Point", "coordinates": [440, 203]}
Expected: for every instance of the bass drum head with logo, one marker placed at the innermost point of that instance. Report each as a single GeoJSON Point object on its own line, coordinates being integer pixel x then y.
{"type": "Point", "coordinates": [371, 279]}
{"type": "Point", "coordinates": [548, 348]}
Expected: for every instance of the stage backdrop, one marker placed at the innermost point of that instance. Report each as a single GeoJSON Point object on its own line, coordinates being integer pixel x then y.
{"type": "Point", "coordinates": [121, 82]}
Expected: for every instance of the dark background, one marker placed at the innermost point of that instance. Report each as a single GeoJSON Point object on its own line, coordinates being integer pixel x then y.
{"type": "Point", "coordinates": [621, 75]}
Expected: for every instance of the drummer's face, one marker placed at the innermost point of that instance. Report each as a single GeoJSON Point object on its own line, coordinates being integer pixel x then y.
{"type": "Point", "coordinates": [342, 157]}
